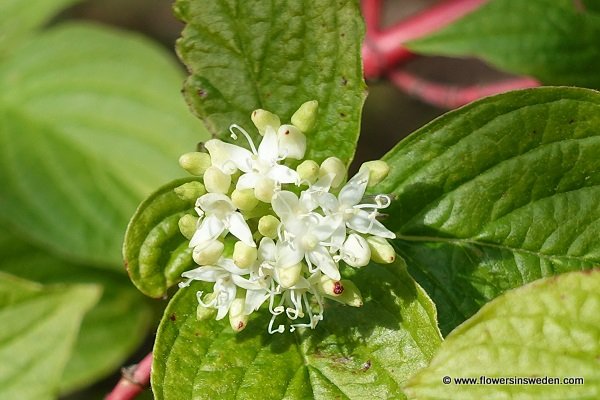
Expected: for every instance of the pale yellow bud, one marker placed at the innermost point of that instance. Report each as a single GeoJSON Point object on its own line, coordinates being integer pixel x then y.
{"type": "Point", "coordinates": [190, 190]}
{"type": "Point", "coordinates": [208, 252]}
{"type": "Point", "coordinates": [237, 319]}
{"type": "Point", "coordinates": [263, 118]}
{"type": "Point", "coordinates": [244, 255]}
{"type": "Point", "coordinates": [268, 225]}
{"type": "Point", "coordinates": [216, 181]}
{"type": "Point", "coordinates": [289, 276]}
{"type": "Point", "coordinates": [264, 190]}
{"type": "Point", "coordinates": [335, 167]}
{"type": "Point", "coordinates": [244, 199]}
{"type": "Point", "coordinates": [292, 142]}
{"type": "Point", "coordinates": [187, 225]}
{"type": "Point", "coordinates": [330, 286]}
{"type": "Point", "coordinates": [195, 162]}
{"type": "Point", "coordinates": [381, 251]}
{"type": "Point", "coordinates": [378, 170]}
{"type": "Point", "coordinates": [350, 296]}
{"type": "Point", "coordinates": [306, 116]}
{"type": "Point", "coordinates": [202, 312]}
{"type": "Point", "coordinates": [308, 170]}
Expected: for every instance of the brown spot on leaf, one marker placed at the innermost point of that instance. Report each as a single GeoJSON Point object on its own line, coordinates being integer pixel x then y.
{"type": "Point", "coordinates": [173, 317]}
{"type": "Point", "coordinates": [365, 367]}
{"type": "Point", "coordinates": [202, 93]}
{"type": "Point", "coordinates": [344, 81]}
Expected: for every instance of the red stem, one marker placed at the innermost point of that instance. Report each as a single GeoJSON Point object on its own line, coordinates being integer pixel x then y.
{"type": "Point", "coordinates": [449, 96]}
{"type": "Point", "coordinates": [134, 380]}
{"type": "Point", "coordinates": [384, 49]}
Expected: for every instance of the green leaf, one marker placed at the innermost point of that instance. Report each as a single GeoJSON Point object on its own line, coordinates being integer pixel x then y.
{"type": "Point", "coordinates": [361, 353]}
{"type": "Point", "coordinates": [497, 194]}
{"type": "Point", "coordinates": [550, 328]}
{"type": "Point", "coordinates": [109, 332]}
{"type": "Point", "coordinates": [39, 327]}
{"type": "Point", "coordinates": [560, 47]}
{"type": "Point", "coordinates": [19, 18]}
{"type": "Point", "coordinates": [155, 251]}
{"type": "Point", "coordinates": [88, 127]}
{"type": "Point", "coordinates": [245, 55]}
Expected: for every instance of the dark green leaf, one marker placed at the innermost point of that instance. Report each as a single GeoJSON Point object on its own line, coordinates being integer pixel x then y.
{"type": "Point", "coordinates": [245, 55]}
{"type": "Point", "coordinates": [556, 41]}
{"type": "Point", "coordinates": [39, 327]}
{"type": "Point", "coordinates": [155, 251]}
{"type": "Point", "coordinates": [91, 121]}
{"type": "Point", "coordinates": [550, 328]}
{"type": "Point", "coordinates": [361, 353]}
{"type": "Point", "coordinates": [497, 194]}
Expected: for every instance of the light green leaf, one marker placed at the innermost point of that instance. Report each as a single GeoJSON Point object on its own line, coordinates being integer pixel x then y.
{"type": "Point", "coordinates": [550, 328]}
{"type": "Point", "coordinates": [109, 332]}
{"type": "Point", "coordinates": [39, 327]}
{"type": "Point", "coordinates": [245, 55]}
{"type": "Point", "coordinates": [361, 353]}
{"type": "Point", "coordinates": [555, 41]}
{"type": "Point", "coordinates": [497, 194]}
{"type": "Point", "coordinates": [19, 18]}
{"type": "Point", "coordinates": [155, 251]}
{"type": "Point", "coordinates": [91, 121]}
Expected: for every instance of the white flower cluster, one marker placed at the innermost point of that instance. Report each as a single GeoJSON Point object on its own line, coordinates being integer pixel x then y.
{"type": "Point", "coordinates": [266, 233]}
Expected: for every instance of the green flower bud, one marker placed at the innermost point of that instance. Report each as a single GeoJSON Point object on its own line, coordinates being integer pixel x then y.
{"type": "Point", "coordinates": [330, 287]}
{"type": "Point", "coordinates": [378, 170]}
{"type": "Point", "coordinates": [202, 312]}
{"type": "Point", "coordinates": [306, 116]}
{"type": "Point", "coordinates": [350, 296]}
{"type": "Point", "coordinates": [264, 190]}
{"type": "Point", "coordinates": [244, 199]}
{"type": "Point", "coordinates": [208, 253]}
{"type": "Point", "coordinates": [190, 190]}
{"type": "Point", "coordinates": [263, 118]}
{"type": "Point", "coordinates": [336, 167]}
{"type": "Point", "coordinates": [195, 162]}
{"type": "Point", "coordinates": [308, 170]}
{"type": "Point", "coordinates": [381, 251]}
{"type": "Point", "coordinates": [268, 225]}
{"type": "Point", "coordinates": [187, 225]}
{"type": "Point", "coordinates": [237, 319]}
{"type": "Point", "coordinates": [289, 276]}
{"type": "Point", "coordinates": [216, 181]}
{"type": "Point", "coordinates": [244, 255]}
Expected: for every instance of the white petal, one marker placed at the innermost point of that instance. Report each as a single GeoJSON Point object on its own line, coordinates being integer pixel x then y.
{"type": "Point", "coordinates": [228, 157]}
{"type": "Point", "coordinates": [207, 273]}
{"type": "Point", "coordinates": [254, 299]}
{"type": "Point", "coordinates": [267, 250]}
{"type": "Point", "coordinates": [228, 265]}
{"type": "Point", "coordinates": [338, 236]}
{"type": "Point", "coordinates": [283, 174]}
{"type": "Point", "coordinates": [329, 203]}
{"type": "Point", "coordinates": [210, 229]}
{"type": "Point", "coordinates": [325, 227]}
{"type": "Point", "coordinates": [352, 193]}
{"type": "Point", "coordinates": [285, 204]}
{"type": "Point", "coordinates": [268, 149]}
{"type": "Point", "coordinates": [239, 228]}
{"type": "Point", "coordinates": [247, 181]}
{"type": "Point", "coordinates": [322, 259]}
{"type": "Point", "coordinates": [363, 223]}
{"type": "Point", "coordinates": [288, 255]}
{"type": "Point", "coordinates": [309, 200]}
{"type": "Point", "coordinates": [292, 142]}
{"type": "Point", "coordinates": [216, 203]}
{"type": "Point", "coordinates": [245, 283]}
{"type": "Point", "coordinates": [356, 251]}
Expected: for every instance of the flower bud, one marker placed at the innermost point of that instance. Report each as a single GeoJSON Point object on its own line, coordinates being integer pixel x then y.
{"type": "Point", "coordinates": [306, 116]}
{"type": "Point", "coordinates": [378, 170]}
{"type": "Point", "coordinates": [244, 255]}
{"type": "Point", "coordinates": [188, 225]}
{"type": "Point", "coordinates": [244, 199]}
{"type": "Point", "coordinates": [350, 296]}
{"type": "Point", "coordinates": [207, 253]}
{"type": "Point", "coordinates": [336, 168]}
{"type": "Point", "coordinates": [216, 181]}
{"type": "Point", "coordinates": [237, 319]}
{"type": "Point", "coordinates": [308, 170]}
{"type": "Point", "coordinates": [330, 286]}
{"type": "Point", "coordinates": [264, 190]}
{"type": "Point", "coordinates": [355, 251]}
{"type": "Point", "coordinates": [381, 251]}
{"type": "Point", "coordinates": [292, 142]}
{"type": "Point", "coordinates": [190, 190]}
{"type": "Point", "coordinates": [195, 162]}
{"type": "Point", "coordinates": [268, 225]}
{"type": "Point", "coordinates": [203, 312]}
{"type": "Point", "coordinates": [289, 276]}
{"type": "Point", "coordinates": [263, 118]}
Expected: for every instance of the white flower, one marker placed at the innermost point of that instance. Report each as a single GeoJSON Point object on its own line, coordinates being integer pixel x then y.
{"type": "Point", "coordinates": [355, 251]}
{"type": "Point", "coordinates": [219, 215]}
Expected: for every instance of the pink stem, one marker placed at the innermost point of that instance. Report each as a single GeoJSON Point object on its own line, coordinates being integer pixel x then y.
{"type": "Point", "coordinates": [133, 382]}
{"type": "Point", "coordinates": [448, 96]}
{"type": "Point", "coordinates": [384, 49]}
